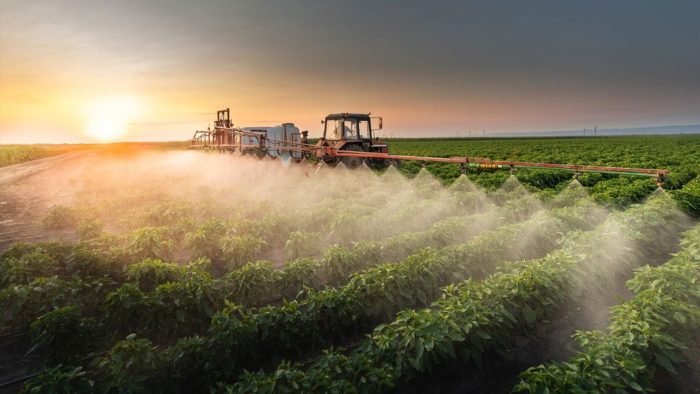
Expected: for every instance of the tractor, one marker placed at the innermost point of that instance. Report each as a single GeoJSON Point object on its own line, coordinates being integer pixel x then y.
{"type": "Point", "coordinates": [351, 132]}
{"type": "Point", "coordinates": [348, 139]}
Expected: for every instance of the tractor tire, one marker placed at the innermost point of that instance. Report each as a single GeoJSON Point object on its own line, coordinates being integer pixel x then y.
{"type": "Point", "coordinates": [378, 164]}
{"type": "Point", "coordinates": [352, 162]}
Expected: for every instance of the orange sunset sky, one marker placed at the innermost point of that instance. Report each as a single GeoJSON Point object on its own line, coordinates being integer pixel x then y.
{"type": "Point", "coordinates": [76, 71]}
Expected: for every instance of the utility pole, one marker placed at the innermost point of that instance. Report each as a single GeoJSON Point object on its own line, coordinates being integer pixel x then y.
{"type": "Point", "coordinates": [595, 130]}
{"type": "Point", "coordinates": [484, 133]}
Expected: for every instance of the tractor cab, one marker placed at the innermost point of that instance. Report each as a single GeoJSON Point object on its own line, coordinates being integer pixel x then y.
{"type": "Point", "coordinates": [348, 127]}
{"type": "Point", "coordinates": [351, 132]}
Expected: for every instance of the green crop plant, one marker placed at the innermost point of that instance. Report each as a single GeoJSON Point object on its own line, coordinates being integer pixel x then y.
{"type": "Point", "coordinates": [470, 318]}
{"type": "Point", "coordinates": [646, 333]}
{"type": "Point", "coordinates": [150, 273]}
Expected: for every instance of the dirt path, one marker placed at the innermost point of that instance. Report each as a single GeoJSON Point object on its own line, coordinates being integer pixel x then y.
{"type": "Point", "coordinates": [28, 190]}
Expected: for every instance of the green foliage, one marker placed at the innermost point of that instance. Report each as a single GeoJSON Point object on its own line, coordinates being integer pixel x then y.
{"type": "Point", "coordinates": [184, 307]}
{"type": "Point", "coordinates": [238, 250]}
{"type": "Point", "coordinates": [297, 274]}
{"type": "Point", "coordinates": [647, 332]}
{"type": "Point", "coordinates": [380, 268]}
{"type": "Point", "coordinates": [82, 261]}
{"type": "Point", "coordinates": [688, 198]}
{"type": "Point", "coordinates": [345, 227]}
{"type": "Point", "coordinates": [60, 379]}
{"type": "Point", "coordinates": [63, 333]}
{"type": "Point", "coordinates": [542, 178]}
{"type": "Point", "coordinates": [22, 304]}
{"type": "Point", "coordinates": [200, 264]}
{"type": "Point", "coordinates": [17, 250]}
{"type": "Point", "coordinates": [331, 315]}
{"type": "Point", "coordinates": [60, 217]}
{"type": "Point", "coordinates": [151, 242]}
{"type": "Point", "coordinates": [621, 192]}
{"type": "Point", "coordinates": [591, 178]}
{"type": "Point", "coordinates": [127, 309]}
{"type": "Point", "coordinates": [167, 213]}
{"type": "Point", "coordinates": [149, 273]}
{"type": "Point", "coordinates": [190, 365]}
{"type": "Point", "coordinates": [23, 262]}
{"type": "Point", "coordinates": [90, 228]}
{"type": "Point", "coordinates": [171, 310]}
{"type": "Point", "coordinates": [469, 319]}
{"type": "Point", "coordinates": [490, 180]}
{"type": "Point", "coordinates": [302, 244]}
{"type": "Point", "coordinates": [253, 284]}
{"type": "Point", "coordinates": [129, 365]}
{"type": "Point", "coordinates": [205, 239]}
{"type": "Point", "coordinates": [676, 153]}
{"type": "Point", "coordinates": [339, 262]}
{"type": "Point", "coordinates": [23, 269]}
{"type": "Point", "coordinates": [681, 176]}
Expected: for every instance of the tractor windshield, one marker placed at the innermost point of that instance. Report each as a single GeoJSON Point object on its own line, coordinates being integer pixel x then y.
{"type": "Point", "coordinates": [334, 128]}
{"type": "Point", "coordinates": [348, 128]}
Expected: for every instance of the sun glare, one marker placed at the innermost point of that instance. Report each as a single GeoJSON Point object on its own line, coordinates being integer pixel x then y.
{"type": "Point", "coordinates": [106, 118]}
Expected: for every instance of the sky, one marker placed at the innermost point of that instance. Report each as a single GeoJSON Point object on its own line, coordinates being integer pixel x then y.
{"type": "Point", "coordinates": [83, 71]}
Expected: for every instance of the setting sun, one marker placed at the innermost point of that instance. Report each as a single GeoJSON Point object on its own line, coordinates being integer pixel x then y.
{"type": "Point", "coordinates": [106, 118]}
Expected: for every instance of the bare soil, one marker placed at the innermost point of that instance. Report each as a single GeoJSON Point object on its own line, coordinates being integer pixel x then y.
{"type": "Point", "coordinates": [28, 190]}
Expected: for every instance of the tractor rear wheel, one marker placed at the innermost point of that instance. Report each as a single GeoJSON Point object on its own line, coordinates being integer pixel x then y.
{"type": "Point", "coordinates": [378, 164]}
{"type": "Point", "coordinates": [352, 162]}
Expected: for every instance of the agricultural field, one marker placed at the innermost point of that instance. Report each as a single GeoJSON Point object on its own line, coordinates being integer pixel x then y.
{"type": "Point", "coordinates": [11, 154]}
{"type": "Point", "coordinates": [150, 268]}
{"type": "Point", "coordinates": [15, 154]}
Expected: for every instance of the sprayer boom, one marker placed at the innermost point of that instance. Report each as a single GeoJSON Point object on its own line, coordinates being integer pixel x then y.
{"type": "Point", "coordinates": [479, 162]}
{"type": "Point", "coordinates": [347, 138]}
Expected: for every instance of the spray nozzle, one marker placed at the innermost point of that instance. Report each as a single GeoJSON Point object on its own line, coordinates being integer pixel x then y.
{"type": "Point", "coordinates": [660, 181]}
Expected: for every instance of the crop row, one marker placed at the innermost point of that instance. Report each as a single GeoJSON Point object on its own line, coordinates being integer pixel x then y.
{"type": "Point", "coordinates": [25, 264]}
{"type": "Point", "coordinates": [164, 301]}
{"type": "Point", "coordinates": [240, 339]}
{"type": "Point", "coordinates": [67, 267]}
{"type": "Point", "coordinates": [469, 318]}
{"type": "Point", "coordinates": [675, 153]}
{"type": "Point", "coordinates": [172, 228]}
{"type": "Point", "coordinates": [259, 283]}
{"type": "Point", "coordinates": [648, 331]}
{"type": "Point", "coordinates": [336, 315]}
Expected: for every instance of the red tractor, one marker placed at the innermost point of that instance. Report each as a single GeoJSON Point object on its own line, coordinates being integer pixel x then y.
{"type": "Point", "coordinates": [350, 133]}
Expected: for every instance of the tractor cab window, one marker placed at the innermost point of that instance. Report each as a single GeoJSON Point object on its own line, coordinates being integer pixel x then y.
{"type": "Point", "coordinates": [334, 128]}
{"type": "Point", "coordinates": [350, 128]}
{"type": "Point", "coordinates": [363, 127]}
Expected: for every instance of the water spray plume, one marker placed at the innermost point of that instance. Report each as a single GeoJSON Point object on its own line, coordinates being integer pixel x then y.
{"type": "Point", "coordinates": [575, 183]}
